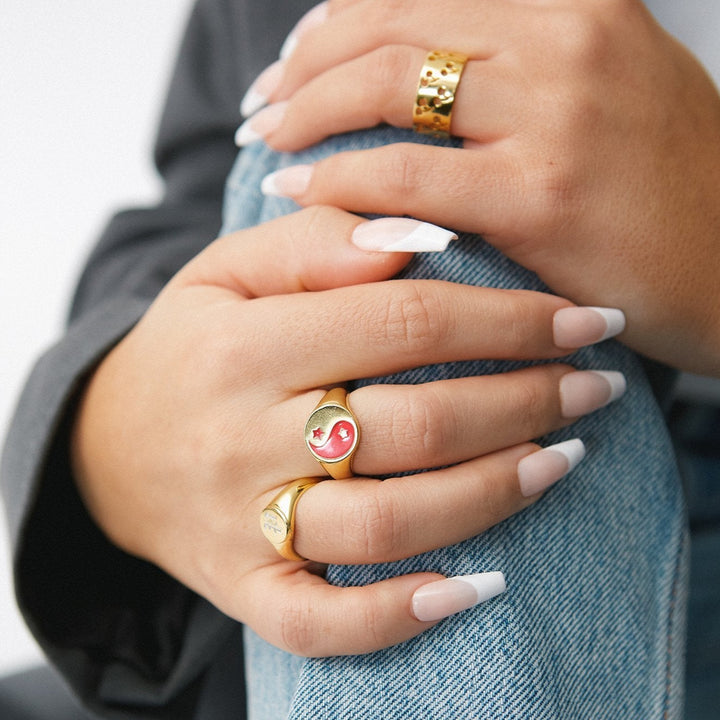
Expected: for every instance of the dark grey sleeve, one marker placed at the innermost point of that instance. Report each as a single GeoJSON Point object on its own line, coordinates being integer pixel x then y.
{"type": "Point", "coordinates": [130, 640]}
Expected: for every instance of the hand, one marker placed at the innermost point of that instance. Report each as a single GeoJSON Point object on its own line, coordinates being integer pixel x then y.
{"type": "Point", "coordinates": [194, 422]}
{"type": "Point", "coordinates": [592, 147]}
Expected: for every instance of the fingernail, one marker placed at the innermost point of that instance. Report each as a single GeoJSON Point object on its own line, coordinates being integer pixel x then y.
{"type": "Point", "coordinates": [311, 19]}
{"type": "Point", "coordinates": [576, 327]}
{"type": "Point", "coordinates": [262, 88]}
{"type": "Point", "coordinates": [401, 235]}
{"type": "Point", "coordinates": [288, 182]}
{"type": "Point", "coordinates": [260, 125]}
{"type": "Point", "coordinates": [587, 390]}
{"type": "Point", "coordinates": [539, 470]}
{"type": "Point", "coordinates": [438, 600]}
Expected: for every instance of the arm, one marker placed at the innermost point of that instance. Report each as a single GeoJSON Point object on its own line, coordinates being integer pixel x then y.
{"type": "Point", "coordinates": [99, 613]}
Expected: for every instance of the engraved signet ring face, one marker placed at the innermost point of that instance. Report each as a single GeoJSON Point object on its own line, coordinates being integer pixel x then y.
{"type": "Point", "coordinates": [277, 520]}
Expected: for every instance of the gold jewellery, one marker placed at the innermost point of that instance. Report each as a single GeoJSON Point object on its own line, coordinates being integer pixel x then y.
{"type": "Point", "coordinates": [332, 434]}
{"type": "Point", "coordinates": [437, 86]}
{"type": "Point", "coordinates": [277, 520]}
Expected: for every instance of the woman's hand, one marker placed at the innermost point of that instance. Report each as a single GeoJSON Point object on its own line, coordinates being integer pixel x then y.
{"type": "Point", "coordinates": [592, 147]}
{"type": "Point", "coordinates": [195, 421]}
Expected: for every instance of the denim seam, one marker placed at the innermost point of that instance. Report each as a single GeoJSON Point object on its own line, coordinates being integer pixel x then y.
{"type": "Point", "coordinates": [671, 622]}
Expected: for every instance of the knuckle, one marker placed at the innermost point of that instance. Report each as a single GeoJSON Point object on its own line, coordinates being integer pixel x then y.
{"type": "Point", "coordinates": [413, 318]}
{"type": "Point", "coordinates": [404, 174]}
{"type": "Point", "coordinates": [389, 12]}
{"type": "Point", "coordinates": [426, 423]}
{"type": "Point", "coordinates": [313, 221]}
{"type": "Point", "coordinates": [520, 324]}
{"type": "Point", "coordinates": [296, 621]}
{"type": "Point", "coordinates": [583, 36]}
{"type": "Point", "coordinates": [534, 398]}
{"type": "Point", "coordinates": [369, 529]}
{"type": "Point", "coordinates": [388, 61]}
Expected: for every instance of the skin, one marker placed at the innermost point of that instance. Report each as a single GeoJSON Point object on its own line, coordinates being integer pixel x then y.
{"type": "Point", "coordinates": [170, 446]}
{"type": "Point", "coordinates": [591, 148]}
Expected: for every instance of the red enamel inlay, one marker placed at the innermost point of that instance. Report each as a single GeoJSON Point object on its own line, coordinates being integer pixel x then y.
{"type": "Point", "coordinates": [339, 442]}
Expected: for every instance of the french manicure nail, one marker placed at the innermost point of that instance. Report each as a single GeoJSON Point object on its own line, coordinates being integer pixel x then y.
{"type": "Point", "coordinates": [438, 600]}
{"type": "Point", "coordinates": [539, 470]}
{"type": "Point", "coordinates": [401, 235]}
{"type": "Point", "coordinates": [260, 125]}
{"type": "Point", "coordinates": [583, 391]}
{"type": "Point", "coordinates": [262, 88]}
{"type": "Point", "coordinates": [576, 327]}
{"type": "Point", "coordinates": [288, 182]}
{"type": "Point", "coordinates": [312, 18]}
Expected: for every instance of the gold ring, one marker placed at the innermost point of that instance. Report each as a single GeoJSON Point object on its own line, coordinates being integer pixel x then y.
{"type": "Point", "coordinates": [437, 86]}
{"type": "Point", "coordinates": [332, 434]}
{"type": "Point", "coordinates": [277, 520]}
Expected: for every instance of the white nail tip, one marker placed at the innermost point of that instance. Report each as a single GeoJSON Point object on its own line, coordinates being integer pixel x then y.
{"type": "Point", "coordinates": [541, 469]}
{"type": "Point", "coordinates": [269, 186]}
{"type": "Point", "coordinates": [614, 319]}
{"type": "Point", "coordinates": [486, 585]}
{"type": "Point", "coordinates": [438, 600]}
{"type": "Point", "coordinates": [617, 382]}
{"type": "Point", "coordinates": [288, 46]}
{"type": "Point", "coordinates": [245, 134]}
{"type": "Point", "coordinates": [573, 451]}
{"type": "Point", "coordinates": [252, 102]}
{"type": "Point", "coordinates": [401, 235]}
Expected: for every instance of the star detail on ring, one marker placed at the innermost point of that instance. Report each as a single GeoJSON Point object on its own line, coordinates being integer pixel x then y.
{"type": "Point", "coordinates": [318, 433]}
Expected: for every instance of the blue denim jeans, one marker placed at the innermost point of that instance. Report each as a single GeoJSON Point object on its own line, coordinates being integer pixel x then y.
{"type": "Point", "coordinates": [592, 624]}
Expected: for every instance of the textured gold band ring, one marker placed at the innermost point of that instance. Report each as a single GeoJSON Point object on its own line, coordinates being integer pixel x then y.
{"type": "Point", "coordinates": [437, 86]}
{"type": "Point", "coordinates": [332, 434]}
{"type": "Point", "coordinates": [277, 520]}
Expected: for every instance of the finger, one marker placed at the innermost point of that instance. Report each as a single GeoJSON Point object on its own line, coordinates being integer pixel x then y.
{"type": "Point", "coordinates": [304, 251]}
{"type": "Point", "coordinates": [381, 86]}
{"type": "Point", "coordinates": [492, 194]}
{"type": "Point", "coordinates": [372, 330]}
{"type": "Point", "coordinates": [359, 28]}
{"type": "Point", "coordinates": [370, 521]}
{"type": "Point", "coordinates": [303, 614]}
{"type": "Point", "coordinates": [408, 428]}
{"type": "Point", "coordinates": [446, 422]}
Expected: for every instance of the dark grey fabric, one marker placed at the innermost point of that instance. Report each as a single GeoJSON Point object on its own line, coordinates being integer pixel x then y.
{"type": "Point", "coordinates": [129, 640]}
{"type": "Point", "coordinates": [37, 694]}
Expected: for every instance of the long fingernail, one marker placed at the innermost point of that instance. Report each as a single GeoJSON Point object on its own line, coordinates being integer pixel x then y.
{"type": "Point", "coordinates": [576, 327]}
{"type": "Point", "coordinates": [312, 18]}
{"type": "Point", "coordinates": [539, 470]}
{"type": "Point", "coordinates": [288, 182]}
{"type": "Point", "coordinates": [401, 235]}
{"type": "Point", "coordinates": [587, 390]}
{"type": "Point", "coordinates": [438, 600]}
{"type": "Point", "coordinates": [260, 125]}
{"type": "Point", "coordinates": [262, 88]}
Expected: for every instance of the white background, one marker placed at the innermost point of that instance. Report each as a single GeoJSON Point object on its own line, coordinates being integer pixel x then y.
{"type": "Point", "coordinates": [80, 90]}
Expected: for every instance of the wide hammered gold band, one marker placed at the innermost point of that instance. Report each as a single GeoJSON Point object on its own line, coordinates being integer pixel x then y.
{"type": "Point", "coordinates": [437, 86]}
{"type": "Point", "coordinates": [277, 520]}
{"type": "Point", "coordinates": [332, 434]}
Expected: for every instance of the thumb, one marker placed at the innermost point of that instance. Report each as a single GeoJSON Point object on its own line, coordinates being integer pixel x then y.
{"type": "Point", "coordinates": [318, 248]}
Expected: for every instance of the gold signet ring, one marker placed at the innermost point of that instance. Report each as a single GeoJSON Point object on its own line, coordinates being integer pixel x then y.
{"type": "Point", "coordinates": [332, 434]}
{"type": "Point", "coordinates": [277, 520]}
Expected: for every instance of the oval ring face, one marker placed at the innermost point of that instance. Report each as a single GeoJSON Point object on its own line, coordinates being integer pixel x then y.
{"type": "Point", "coordinates": [331, 433]}
{"type": "Point", "coordinates": [274, 526]}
